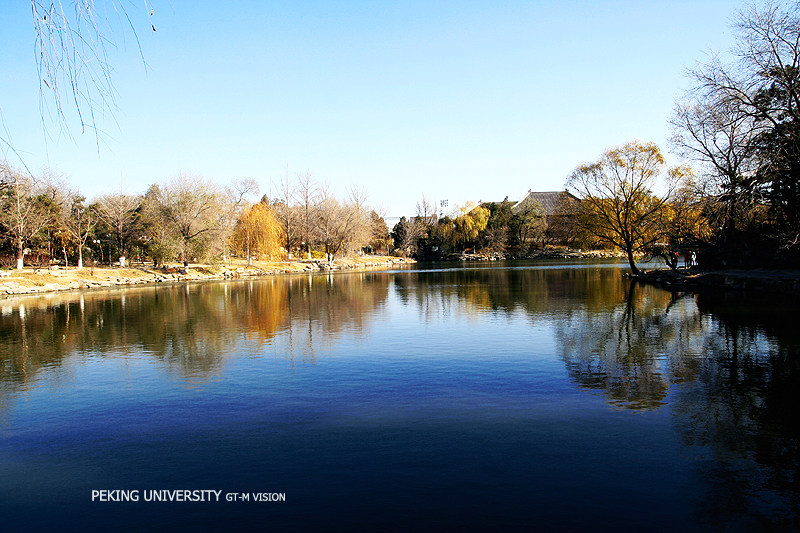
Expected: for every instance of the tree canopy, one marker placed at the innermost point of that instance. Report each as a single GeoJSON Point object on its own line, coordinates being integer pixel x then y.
{"type": "Point", "coordinates": [618, 202]}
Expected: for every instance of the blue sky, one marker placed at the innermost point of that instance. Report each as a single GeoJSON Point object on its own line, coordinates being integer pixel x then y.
{"type": "Point", "coordinates": [458, 100]}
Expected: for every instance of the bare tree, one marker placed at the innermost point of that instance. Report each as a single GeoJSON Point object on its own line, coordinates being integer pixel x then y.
{"type": "Point", "coordinates": [358, 224]}
{"type": "Point", "coordinates": [236, 200]}
{"type": "Point", "coordinates": [426, 211]}
{"type": "Point", "coordinates": [25, 211]}
{"type": "Point", "coordinates": [287, 214]}
{"type": "Point", "coordinates": [195, 209]}
{"type": "Point", "coordinates": [743, 120]}
{"type": "Point", "coordinates": [329, 222]}
{"type": "Point", "coordinates": [118, 211]}
{"type": "Point", "coordinates": [713, 130]}
{"type": "Point", "coordinates": [406, 235]}
{"type": "Point", "coordinates": [307, 194]}
{"type": "Point", "coordinates": [78, 221]}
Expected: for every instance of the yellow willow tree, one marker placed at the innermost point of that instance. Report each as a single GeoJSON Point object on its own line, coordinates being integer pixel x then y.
{"type": "Point", "coordinates": [618, 202]}
{"type": "Point", "coordinates": [257, 233]}
{"type": "Point", "coordinates": [470, 223]}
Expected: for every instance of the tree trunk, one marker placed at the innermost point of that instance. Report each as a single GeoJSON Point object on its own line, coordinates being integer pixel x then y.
{"type": "Point", "coordinates": [185, 256]}
{"type": "Point", "coordinates": [632, 263]}
{"type": "Point", "coordinates": [20, 255]}
{"type": "Point", "coordinates": [80, 257]}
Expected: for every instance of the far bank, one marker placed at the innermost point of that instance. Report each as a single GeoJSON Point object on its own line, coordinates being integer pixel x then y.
{"type": "Point", "coordinates": [56, 278]}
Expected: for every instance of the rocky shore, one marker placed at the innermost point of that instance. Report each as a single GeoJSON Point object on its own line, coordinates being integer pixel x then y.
{"type": "Point", "coordinates": [546, 254]}
{"type": "Point", "coordinates": [33, 281]}
{"type": "Point", "coordinates": [755, 280]}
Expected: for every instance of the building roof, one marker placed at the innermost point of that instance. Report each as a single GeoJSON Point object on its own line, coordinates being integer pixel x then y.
{"type": "Point", "coordinates": [552, 202]}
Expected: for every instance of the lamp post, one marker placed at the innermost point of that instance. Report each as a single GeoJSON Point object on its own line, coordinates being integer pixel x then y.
{"type": "Point", "coordinates": [99, 247]}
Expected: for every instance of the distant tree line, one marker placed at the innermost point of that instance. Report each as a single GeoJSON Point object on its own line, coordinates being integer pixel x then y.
{"type": "Point", "coordinates": [508, 229]}
{"type": "Point", "coordinates": [187, 219]}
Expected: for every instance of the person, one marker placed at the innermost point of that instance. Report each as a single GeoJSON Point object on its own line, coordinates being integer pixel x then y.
{"type": "Point", "coordinates": [687, 260]}
{"type": "Point", "coordinates": [694, 258]}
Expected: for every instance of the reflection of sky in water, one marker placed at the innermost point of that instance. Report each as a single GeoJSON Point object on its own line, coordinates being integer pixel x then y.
{"type": "Point", "coordinates": [539, 395]}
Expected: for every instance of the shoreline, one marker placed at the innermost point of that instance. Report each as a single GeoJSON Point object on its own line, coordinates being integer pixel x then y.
{"type": "Point", "coordinates": [44, 280]}
{"type": "Point", "coordinates": [786, 282]}
{"type": "Point", "coordinates": [32, 281]}
{"type": "Point", "coordinates": [57, 279]}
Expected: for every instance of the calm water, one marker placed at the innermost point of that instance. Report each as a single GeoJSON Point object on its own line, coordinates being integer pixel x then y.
{"type": "Point", "coordinates": [510, 397]}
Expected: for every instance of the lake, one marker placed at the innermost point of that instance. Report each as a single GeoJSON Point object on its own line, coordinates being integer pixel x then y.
{"type": "Point", "coordinates": [499, 396]}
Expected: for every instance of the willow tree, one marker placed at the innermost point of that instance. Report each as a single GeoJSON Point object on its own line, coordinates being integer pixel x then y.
{"type": "Point", "coordinates": [618, 202]}
{"type": "Point", "coordinates": [470, 223]}
{"type": "Point", "coordinates": [257, 233]}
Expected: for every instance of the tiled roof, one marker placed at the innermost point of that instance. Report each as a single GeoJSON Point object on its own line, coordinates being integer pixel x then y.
{"type": "Point", "coordinates": [551, 201]}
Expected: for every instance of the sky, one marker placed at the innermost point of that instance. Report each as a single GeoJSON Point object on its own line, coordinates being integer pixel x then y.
{"type": "Point", "coordinates": [462, 101]}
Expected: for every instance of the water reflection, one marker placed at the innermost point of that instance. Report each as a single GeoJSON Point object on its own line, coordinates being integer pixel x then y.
{"type": "Point", "coordinates": [742, 410]}
{"type": "Point", "coordinates": [727, 365]}
{"type": "Point", "coordinates": [191, 329]}
{"type": "Point", "coordinates": [634, 346]}
{"type": "Point", "coordinates": [542, 293]}
{"type": "Point", "coordinates": [719, 372]}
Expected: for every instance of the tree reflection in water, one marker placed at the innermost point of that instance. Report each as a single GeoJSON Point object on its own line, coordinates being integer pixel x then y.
{"type": "Point", "coordinates": [729, 367]}
{"type": "Point", "coordinates": [635, 346]}
{"type": "Point", "coordinates": [742, 409]}
{"type": "Point", "coordinates": [190, 328]}
{"type": "Point", "coordinates": [726, 365]}
{"type": "Point", "coordinates": [725, 368]}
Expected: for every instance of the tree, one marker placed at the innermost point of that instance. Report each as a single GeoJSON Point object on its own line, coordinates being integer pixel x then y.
{"type": "Point", "coordinates": [528, 224]}
{"type": "Point", "coordinates": [713, 131]}
{"type": "Point", "coordinates": [470, 223]}
{"type": "Point", "coordinates": [234, 201]}
{"type": "Point", "coordinates": [195, 209]}
{"type": "Point", "coordinates": [257, 232]}
{"type": "Point", "coordinates": [358, 224]}
{"type": "Point", "coordinates": [496, 236]}
{"type": "Point", "coordinates": [24, 211]}
{"type": "Point", "coordinates": [406, 234]}
{"type": "Point", "coordinates": [426, 211]}
{"type": "Point", "coordinates": [743, 121]}
{"type": "Point", "coordinates": [307, 194]}
{"type": "Point", "coordinates": [618, 204]}
{"type": "Point", "coordinates": [287, 215]}
{"type": "Point", "coordinates": [379, 232]}
{"type": "Point", "coordinates": [160, 236]}
{"type": "Point", "coordinates": [119, 212]}
{"type": "Point", "coordinates": [78, 221]}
